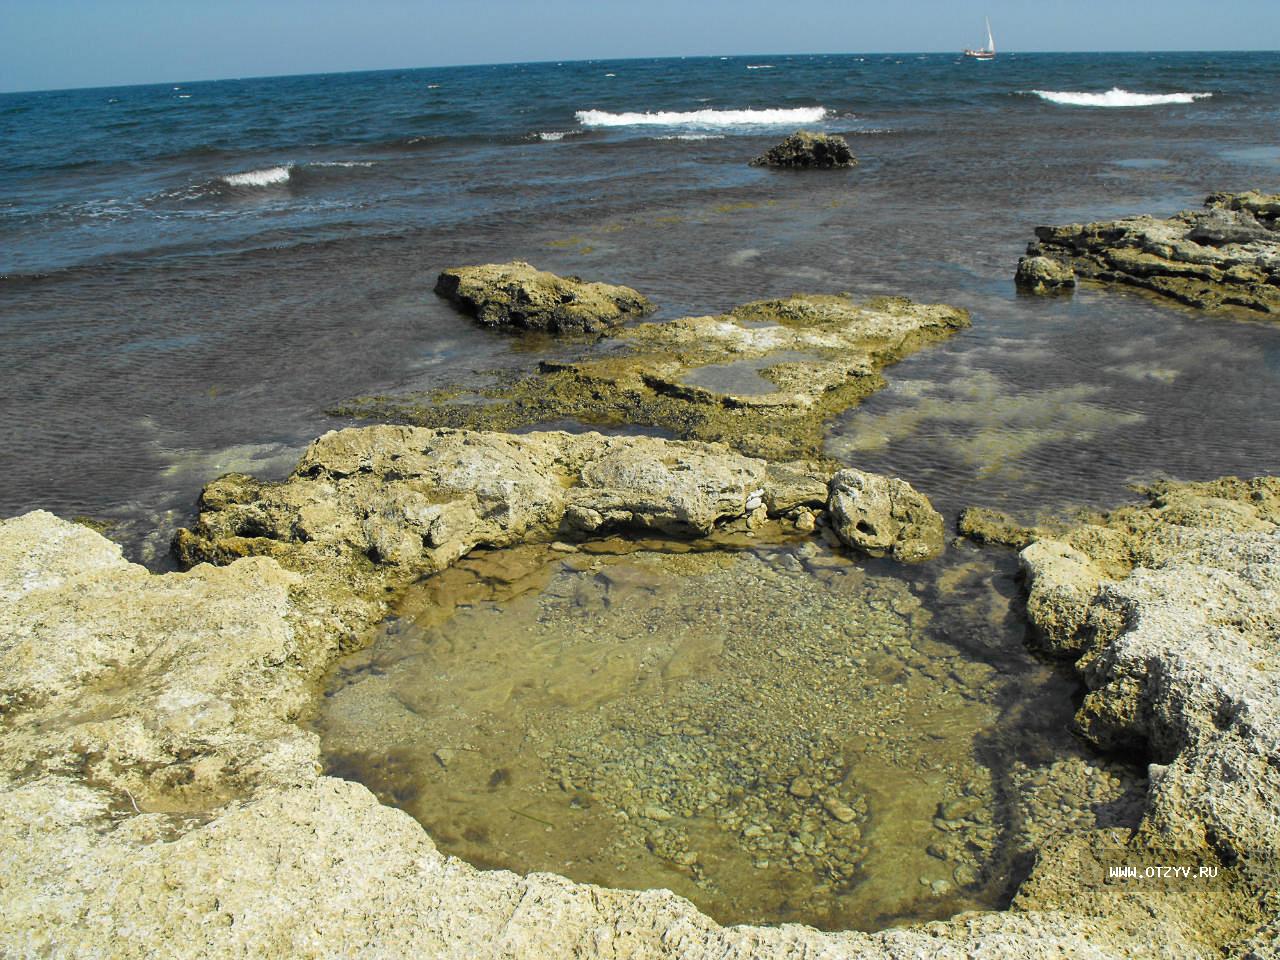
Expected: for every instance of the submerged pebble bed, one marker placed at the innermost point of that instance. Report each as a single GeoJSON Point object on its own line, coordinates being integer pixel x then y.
{"type": "Point", "coordinates": [775, 731]}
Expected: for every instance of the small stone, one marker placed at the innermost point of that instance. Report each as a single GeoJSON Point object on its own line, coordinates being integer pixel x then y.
{"type": "Point", "coordinates": [839, 809]}
{"type": "Point", "coordinates": [805, 521]}
{"type": "Point", "coordinates": [657, 813]}
{"type": "Point", "coordinates": [801, 788]}
{"type": "Point", "coordinates": [445, 756]}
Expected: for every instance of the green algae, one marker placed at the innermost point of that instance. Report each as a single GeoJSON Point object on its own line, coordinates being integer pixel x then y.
{"type": "Point", "coordinates": [644, 379]}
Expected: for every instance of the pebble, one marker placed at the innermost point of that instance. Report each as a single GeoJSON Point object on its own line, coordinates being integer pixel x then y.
{"type": "Point", "coordinates": [839, 809]}
{"type": "Point", "coordinates": [801, 788]}
{"type": "Point", "coordinates": [654, 812]}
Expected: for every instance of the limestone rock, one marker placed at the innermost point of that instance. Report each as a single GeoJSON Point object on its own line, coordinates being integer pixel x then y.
{"type": "Point", "coordinates": [807, 150]}
{"type": "Point", "coordinates": [1225, 256]}
{"type": "Point", "coordinates": [516, 295]}
{"type": "Point", "coordinates": [884, 515]}
{"type": "Point", "coordinates": [1044, 275]}
{"type": "Point", "coordinates": [156, 797]}
{"type": "Point", "coordinates": [1172, 611]}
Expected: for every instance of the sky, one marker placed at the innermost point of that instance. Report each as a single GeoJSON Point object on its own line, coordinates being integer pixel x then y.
{"type": "Point", "coordinates": [52, 44]}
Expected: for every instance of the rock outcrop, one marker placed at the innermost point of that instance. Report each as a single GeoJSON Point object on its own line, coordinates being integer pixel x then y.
{"type": "Point", "coordinates": [762, 378]}
{"type": "Point", "coordinates": [810, 151]}
{"type": "Point", "coordinates": [1225, 256]}
{"type": "Point", "coordinates": [518, 296]}
{"type": "Point", "coordinates": [156, 798]}
{"type": "Point", "coordinates": [884, 516]}
{"type": "Point", "coordinates": [1172, 614]}
{"type": "Point", "coordinates": [1044, 275]}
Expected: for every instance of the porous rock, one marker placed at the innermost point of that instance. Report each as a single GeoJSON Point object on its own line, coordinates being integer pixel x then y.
{"type": "Point", "coordinates": [156, 798]}
{"type": "Point", "coordinates": [519, 296]}
{"type": "Point", "coordinates": [884, 516]}
{"type": "Point", "coordinates": [1044, 275]}
{"type": "Point", "coordinates": [806, 150]}
{"type": "Point", "coordinates": [1171, 611]}
{"type": "Point", "coordinates": [1225, 256]}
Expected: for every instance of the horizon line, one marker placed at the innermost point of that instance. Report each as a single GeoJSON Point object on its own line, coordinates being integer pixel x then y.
{"type": "Point", "coordinates": [523, 63]}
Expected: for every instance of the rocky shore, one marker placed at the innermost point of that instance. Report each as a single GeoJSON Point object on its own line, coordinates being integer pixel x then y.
{"type": "Point", "coordinates": [1227, 255]}
{"type": "Point", "coordinates": [763, 377]}
{"type": "Point", "coordinates": [156, 788]}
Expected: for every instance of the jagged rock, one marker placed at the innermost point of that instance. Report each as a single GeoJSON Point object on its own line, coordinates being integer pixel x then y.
{"type": "Point", "coordinates": [1044, 275]}
{"type": "Point", "coordinates": [1226, 256]}
{"type": "Point", "coordinates": [517, 295]}
{"type": "Point", "coordinates": [884, 515]}
{"type": "Point", "coordinates": [1172, 612]}
{"type": "Point", "coordinates": [808, 150]}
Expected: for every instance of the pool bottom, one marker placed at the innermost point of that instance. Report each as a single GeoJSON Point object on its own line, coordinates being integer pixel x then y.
{"type": "Point", "coordinates": [774, 731]}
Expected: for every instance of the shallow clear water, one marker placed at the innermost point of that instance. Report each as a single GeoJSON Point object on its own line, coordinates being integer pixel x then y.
{"type": "Point", "coordinates": [777, 732]}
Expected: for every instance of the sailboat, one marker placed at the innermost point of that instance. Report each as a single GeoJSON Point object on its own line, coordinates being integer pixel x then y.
{"type": "Point", "coordinates": [984, 53]}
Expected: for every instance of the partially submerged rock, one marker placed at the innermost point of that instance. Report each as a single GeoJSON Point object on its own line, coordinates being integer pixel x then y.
{"type": "Point", "coordinates": [982, 525]}
{"type": "Point", "coordinates": [1227, 255]}
{"type": "Point", "coordinates": [884, 515]}
{"type": "Point", "coordinates": [377, 505]}
{"type": "Point", "coordinates": [762, 378]}
{"type": "Point", "coordinates": [806, 150]}
{"type": "Point", "coordinates": [1044, 275]}
{"type": "Point", "coordinates": [519, 296]}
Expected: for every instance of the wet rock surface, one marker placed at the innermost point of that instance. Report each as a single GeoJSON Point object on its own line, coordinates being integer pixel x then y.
{"type": "Point", "coordinates": [1225, 256]}
{"type": "Point", "coordinates": [516, 295]}
{"type": "Point", "coordinates": [1040, 274]}
{"type": "Point", "coordinates": [774, 369]}
{"type": "Point", "coordinates": [804, 150]}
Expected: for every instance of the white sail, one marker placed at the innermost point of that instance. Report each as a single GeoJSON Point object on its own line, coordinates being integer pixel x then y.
{"type": "Point", "coordinates": [991, 43]}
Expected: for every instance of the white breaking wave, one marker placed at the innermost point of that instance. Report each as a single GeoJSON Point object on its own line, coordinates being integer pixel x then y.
{"type": "Point", "coordinates": [759, 66]}
{"type": "Point", "coordinates": [258, 178]}
{"type": "Point", "coordinates": [1115, 97]}
{"type": "Point", "coordinates": [702, 118]}
{"type": "Point", "coordinates": [341, 163]}
{"type": "Point", "coordinates": [693, 136]}
{"type": "Point", "coordinates": [551, 135]}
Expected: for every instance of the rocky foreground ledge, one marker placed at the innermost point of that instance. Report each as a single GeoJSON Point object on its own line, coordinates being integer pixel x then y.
{"type": "Point", "coordinates": [1227, 255]}
{"type": "Point", "coordinates": [158, 800]}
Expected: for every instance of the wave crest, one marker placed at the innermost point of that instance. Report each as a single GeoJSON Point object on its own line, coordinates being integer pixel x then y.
{"type": "Point", "coordinates": [1116, 97]}
{"type": "Point", "coordinates": [259, 178]}
{"type": "Point", "coordinates": [774, 117]}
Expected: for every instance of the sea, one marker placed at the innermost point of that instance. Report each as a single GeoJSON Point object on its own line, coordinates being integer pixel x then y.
{"type": "Point", "coordinates": [192, 274]}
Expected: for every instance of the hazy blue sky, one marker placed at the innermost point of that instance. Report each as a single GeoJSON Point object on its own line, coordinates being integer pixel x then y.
{"type": "Point", "coordinates": [46, 44]}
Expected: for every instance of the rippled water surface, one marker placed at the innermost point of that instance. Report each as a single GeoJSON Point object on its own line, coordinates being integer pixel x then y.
{"type": "Point", "coordinates": [194, 273]}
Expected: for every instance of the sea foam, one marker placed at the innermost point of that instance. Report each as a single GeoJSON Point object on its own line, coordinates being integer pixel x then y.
{"type": "Point", "coordinates": [258, 178]}
{"type": "Point", "coordinates": [702, 118]}
{"type": "Point", "coordinates": [1115, 97]}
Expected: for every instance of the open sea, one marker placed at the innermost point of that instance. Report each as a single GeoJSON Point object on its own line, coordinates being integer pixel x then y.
{"type": "Point", "coordinates": [192, 273]}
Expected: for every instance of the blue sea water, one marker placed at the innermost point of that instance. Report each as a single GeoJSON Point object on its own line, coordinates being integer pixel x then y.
{"type": "Point", "coordinates": [190, 273]}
